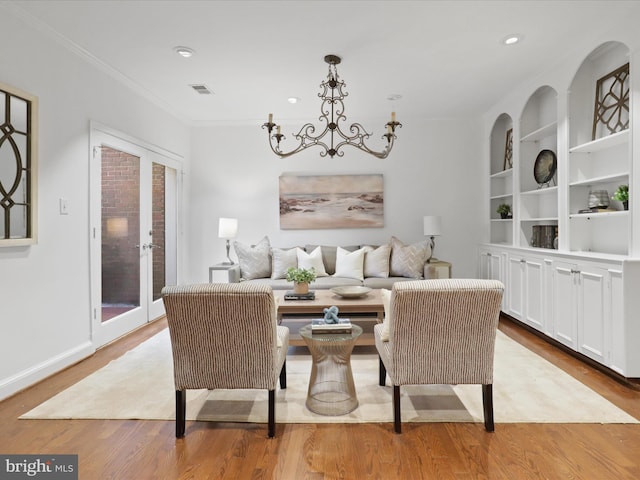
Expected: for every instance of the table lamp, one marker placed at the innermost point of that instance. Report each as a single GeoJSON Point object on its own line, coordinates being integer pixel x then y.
{"type": "Point", "coordinates": [432, 228]}
{"type": "Point", "coordinates": [228, 228]}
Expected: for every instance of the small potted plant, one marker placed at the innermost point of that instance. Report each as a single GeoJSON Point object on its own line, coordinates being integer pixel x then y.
{"type": "Point", "coordinates": [301, 278]}
{"type": "Point", "coordinates": [504, 209]}
{"type": "Point", "coordinates": [622, 195]}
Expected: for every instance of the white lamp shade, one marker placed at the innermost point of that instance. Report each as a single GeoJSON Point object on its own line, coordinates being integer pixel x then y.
{"type": "Point", "coordinates": [432, 226]}
{"type": "Point", "coordinates": [227, 227]}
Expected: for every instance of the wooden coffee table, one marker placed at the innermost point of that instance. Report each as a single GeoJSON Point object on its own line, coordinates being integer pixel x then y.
{"type": "Point", "coordinates": [364, 310]}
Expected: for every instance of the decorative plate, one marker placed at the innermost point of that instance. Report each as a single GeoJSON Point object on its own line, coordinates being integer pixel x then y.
{"type": "Point", "coordinates": [545, 167]}
{"type": "Point", "coordinates": [354, 291]}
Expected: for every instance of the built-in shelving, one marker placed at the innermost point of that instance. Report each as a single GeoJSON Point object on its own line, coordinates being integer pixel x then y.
{"type": "Point", "coordinates": [600, 164]}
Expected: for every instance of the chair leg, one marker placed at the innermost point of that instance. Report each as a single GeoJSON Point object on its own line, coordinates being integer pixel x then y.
{"type": "Point", "coordinates": [181, 412]}
{"type": "Point", "coordinates": [283, 376]}
{"type": "Point", "coordinates": [382, 373]}
{"type": "Point", "coordinates": [272, 413]}
{"type": "Point", "coordinates": [487, 403]}
{"type": "Point", "coordinates": [397, 424]}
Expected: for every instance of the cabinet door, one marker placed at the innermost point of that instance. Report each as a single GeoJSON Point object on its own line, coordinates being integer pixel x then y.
{"type": "Point", "coordinates": [516, 284]}
{"type": "Point", "coordinates": [564, 304]}
{"type": "Point", "coordinates": [593, 317]}
{"type": "Point", "coordinates": [534, 293]}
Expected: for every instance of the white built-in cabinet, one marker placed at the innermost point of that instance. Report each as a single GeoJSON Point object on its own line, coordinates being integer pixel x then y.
{"type": "Point", "coordinates": [581, 290]}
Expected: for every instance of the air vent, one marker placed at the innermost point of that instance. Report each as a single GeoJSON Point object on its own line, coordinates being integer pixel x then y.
{"type": "Point", "coordinates": [202, 89]}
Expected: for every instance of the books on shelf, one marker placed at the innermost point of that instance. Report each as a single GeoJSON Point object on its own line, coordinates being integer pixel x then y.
{"type": "Point", "coordinates": [291, 295]}
{"type": "Point", "coordinates": [318, 325]}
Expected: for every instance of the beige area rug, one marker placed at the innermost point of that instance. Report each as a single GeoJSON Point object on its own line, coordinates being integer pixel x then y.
{"type": "Point", "coordinates": [139, 385]}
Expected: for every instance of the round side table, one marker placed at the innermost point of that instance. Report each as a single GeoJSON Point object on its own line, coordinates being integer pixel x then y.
{"type": "Point", "coordinates": [331, 388]}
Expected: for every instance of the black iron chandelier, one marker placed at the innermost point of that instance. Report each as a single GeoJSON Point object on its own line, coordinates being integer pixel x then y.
{"type": "Point", "coordinates": [332, 112]}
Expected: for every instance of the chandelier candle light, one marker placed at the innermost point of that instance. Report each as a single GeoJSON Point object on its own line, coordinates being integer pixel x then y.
{"type": "Point", "coordinates": [332, 112]}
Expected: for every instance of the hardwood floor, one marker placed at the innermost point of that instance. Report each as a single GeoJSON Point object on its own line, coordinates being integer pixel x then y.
{"type": "Point", "coordinates": [116, 449]}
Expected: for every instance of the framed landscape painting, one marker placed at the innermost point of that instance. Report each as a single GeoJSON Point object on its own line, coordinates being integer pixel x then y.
{"type": "Point", "coordinates": [331, 201]}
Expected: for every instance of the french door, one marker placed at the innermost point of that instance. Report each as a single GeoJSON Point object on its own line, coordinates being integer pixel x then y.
{"type": "Point", "coordinates": [133, 232]}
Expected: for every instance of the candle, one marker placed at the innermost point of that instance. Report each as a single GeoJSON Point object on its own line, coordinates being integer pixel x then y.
{"type": "Point", "coordinates": [278, 129]}
{"type": "Point", "coordinates": [393, 116]}
{"type": "Point", "coordinates": [388, 128]}
{"type": "Point", "coordinates": [271, 118]}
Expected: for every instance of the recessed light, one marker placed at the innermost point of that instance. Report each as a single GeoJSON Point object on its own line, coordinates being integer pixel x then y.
{"type": "Point", "coordinates": [185, 52]}
{"type": "Point", "coordinates": [293, 99]}
{"type": "Point", "coordinates": [512, 39]}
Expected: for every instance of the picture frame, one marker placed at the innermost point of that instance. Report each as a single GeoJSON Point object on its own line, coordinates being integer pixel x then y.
{"type": "Point", "coordinates": [331, 201]}
{"type": "Point", "coordinates": [611, 110]}
{"type": "Point", "coordinates": [508, 150]}
{"type": "Point", "coordinates": [18, 167]}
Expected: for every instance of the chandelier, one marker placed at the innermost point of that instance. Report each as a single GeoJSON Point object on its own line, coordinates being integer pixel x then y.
{"type": "Point", "coordinates": [332, 112]}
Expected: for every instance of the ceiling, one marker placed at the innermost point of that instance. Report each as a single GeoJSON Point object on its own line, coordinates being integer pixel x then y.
{"type": "Point", "coordinates": [445, 58]}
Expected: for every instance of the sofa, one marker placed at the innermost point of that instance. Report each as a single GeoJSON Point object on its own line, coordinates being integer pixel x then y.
{"type": "Point", "coordinates": [374, 266]}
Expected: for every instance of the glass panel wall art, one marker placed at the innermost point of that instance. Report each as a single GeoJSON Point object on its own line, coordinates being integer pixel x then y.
{"type": "Point", "coordinates": [18, 160]}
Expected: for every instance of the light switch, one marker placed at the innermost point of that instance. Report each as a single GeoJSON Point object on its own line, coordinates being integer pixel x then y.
{"type": "Point", "coordinates": [64, 208]}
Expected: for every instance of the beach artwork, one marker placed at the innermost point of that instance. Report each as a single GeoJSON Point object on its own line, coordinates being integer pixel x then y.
{"type": "Point", "coordinates": [331, 201]}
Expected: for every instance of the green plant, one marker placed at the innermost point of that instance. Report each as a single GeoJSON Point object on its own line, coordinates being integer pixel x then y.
{"type": "Point", "coordinates": [622, 193]}
{"type": "Point", "coordinates": [504, 209]}
{"type": "Point", "coordinates": [301, 275]}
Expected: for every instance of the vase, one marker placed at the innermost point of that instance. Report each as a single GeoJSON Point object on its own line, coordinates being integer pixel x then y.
{"type": "Point", "coordinates": [301, 287]}
{"type": "Point", "coordinates": [625, 204]}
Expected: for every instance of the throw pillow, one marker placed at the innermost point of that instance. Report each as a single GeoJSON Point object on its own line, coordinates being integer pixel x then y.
{"type": "Point", "coordinates": [329, 255]}
{"type": "Point", "coordinates": [386, 303]}
{"type": "Point", "coordinates": [376, 261]}
{"type": "Point", "coordinates": [276, 302]}
{"type": "Point", "coordinates": [282, 260]}
{"type": "Point", "coordinates": [408, 260]}
{"type": "Point", "coordinates": [254, 260]}
{"type": "Point", "coordinates": [311, 260]}
{"type": "Point", "coordinates": [350, 264]}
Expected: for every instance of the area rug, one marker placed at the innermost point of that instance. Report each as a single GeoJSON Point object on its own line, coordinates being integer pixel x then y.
{"type": "Point", "coordinates": [139, 385]}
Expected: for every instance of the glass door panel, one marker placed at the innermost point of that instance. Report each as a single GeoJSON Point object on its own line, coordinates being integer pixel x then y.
{"type": "Point", "coordinates": [120, 232]}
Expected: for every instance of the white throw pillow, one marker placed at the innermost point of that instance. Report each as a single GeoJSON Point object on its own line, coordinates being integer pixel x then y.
{"type": "Point", "coordinates": [311, 260]}
{"type": "Point", "coordinates": [350, 264]}
{"type": "Point", "coordinates": [282, 260]}
{"type": "Point", "coordinates": [276, 303]}
{"type": "Point", "coordinates": [376, 261]}
{"type": "Point", "coordinates": [386, 302]}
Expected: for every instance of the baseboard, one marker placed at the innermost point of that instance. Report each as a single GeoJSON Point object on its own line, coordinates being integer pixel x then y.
{"type": "Point", "coordinates": [14, 384]}
{"type": "Point", "coordinates": [629, 382]}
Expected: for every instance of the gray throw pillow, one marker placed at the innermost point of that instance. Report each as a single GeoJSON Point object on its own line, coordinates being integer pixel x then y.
{"type": "Point", "coordinates": [408, 260]}
{"type": "Point", "coordinates": [254, 260]}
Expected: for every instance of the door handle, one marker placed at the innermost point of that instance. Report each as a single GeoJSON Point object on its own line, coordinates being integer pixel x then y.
{"type": "Point", "coordinates": [153, 245]}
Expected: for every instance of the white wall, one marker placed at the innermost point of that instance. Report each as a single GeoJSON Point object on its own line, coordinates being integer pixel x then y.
{"type": "Point", "coordinates": [44, 289]}
{"type": "Point", "coordinates": [434, 169]}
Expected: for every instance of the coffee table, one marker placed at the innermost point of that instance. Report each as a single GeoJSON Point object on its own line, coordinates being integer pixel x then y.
{"type": "Point", "coordinates": [366, 309]}
{"type": "Point", "coordinates": [331, 387]}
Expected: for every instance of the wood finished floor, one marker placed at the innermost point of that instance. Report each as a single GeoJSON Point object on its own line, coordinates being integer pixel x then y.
{"type": "Point", "coordinates": [123, 450]}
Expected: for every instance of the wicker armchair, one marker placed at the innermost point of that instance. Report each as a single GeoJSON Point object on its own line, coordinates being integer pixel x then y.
{"type": "Point", "coordinates": [441, 332]}
{"type": "Point", "coordinates": [225, 336]}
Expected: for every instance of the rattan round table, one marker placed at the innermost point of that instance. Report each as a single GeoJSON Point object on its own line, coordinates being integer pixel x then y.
{"type": "Point", "coordinates": [331, 388]}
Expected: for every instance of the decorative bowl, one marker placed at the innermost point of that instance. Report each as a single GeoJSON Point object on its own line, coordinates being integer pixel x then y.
{"type": "Point", "coordinates": [351, 291]}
